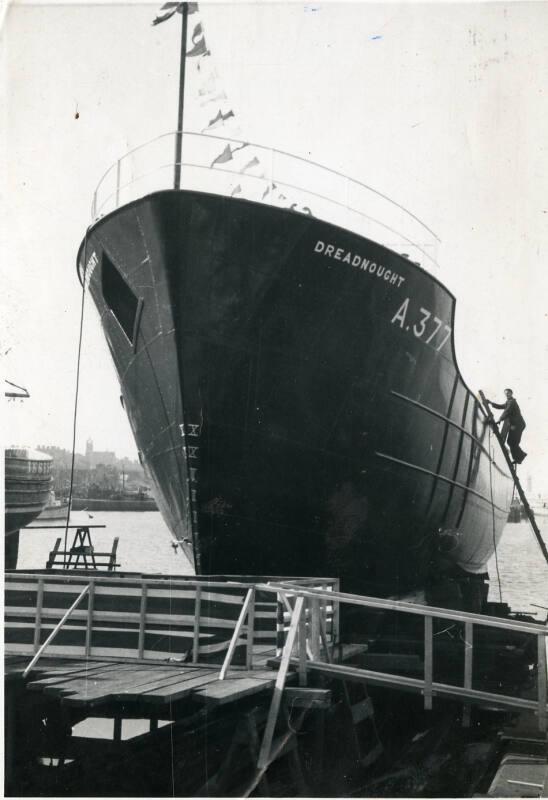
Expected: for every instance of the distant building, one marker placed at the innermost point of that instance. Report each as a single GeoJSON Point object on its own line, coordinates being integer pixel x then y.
{"type": "Point", "coordinates": [63, 458]}
{"type": "Point", "coordinates": [96, 473]}
{"type": "Point", "coordinates": [95, 457]}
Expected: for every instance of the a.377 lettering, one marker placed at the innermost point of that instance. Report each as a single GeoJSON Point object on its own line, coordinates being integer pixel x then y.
{"type": "Point", "coordinates": [426, 328]}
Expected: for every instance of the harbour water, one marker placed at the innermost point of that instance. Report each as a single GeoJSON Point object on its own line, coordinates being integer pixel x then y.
{"type": "Point", "coordinates": [146, 546]}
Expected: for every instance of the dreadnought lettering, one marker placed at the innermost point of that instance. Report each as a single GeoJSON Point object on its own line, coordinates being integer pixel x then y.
{"type": "Point", "coordinates": [359, 262]}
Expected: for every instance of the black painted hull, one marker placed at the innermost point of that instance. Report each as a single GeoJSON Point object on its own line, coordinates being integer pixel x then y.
{"type": "Point", "coordinates": [294, 413]}
{"type": "Point", "coordinates": [27, 487]}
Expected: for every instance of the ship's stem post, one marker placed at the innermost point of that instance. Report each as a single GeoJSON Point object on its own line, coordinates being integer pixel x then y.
{"type": "Point", "coordinates": [179, 135]}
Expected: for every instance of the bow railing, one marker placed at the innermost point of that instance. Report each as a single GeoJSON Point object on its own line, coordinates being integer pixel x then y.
{"type": "Point", "coordinates": [239, 169]}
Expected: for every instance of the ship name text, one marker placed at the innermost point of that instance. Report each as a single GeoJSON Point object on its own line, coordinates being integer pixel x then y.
{"type": "Point", "coordinates": [89, 268]}
{"type": "Point", "coordinates": [359, 262]}
{"type": "Point", "coordinates": [92, 261]}
{"type": "Point", "coordinates": [423, 326]}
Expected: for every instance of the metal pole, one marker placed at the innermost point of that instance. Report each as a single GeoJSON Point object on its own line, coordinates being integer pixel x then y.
{"type": "Point", "coordinates": [57, 628]}
{"type": "Point", "coordinates": [250, 630]}
{"type": "Point", "coordinates": [179, 136]}
{"type": "Point", "coordinates": [236, 635]}
{"type": "Point", "coordinates": [264, 754]}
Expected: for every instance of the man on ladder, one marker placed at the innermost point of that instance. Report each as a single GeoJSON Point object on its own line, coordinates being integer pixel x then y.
{"type": "Point", "coordinates": [513, 425]}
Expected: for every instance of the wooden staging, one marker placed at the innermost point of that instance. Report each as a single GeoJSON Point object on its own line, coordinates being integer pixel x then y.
{"type": "Point", "coordinates": [88, 684]}
{"type": "Point", "coordinates": [148, 686]}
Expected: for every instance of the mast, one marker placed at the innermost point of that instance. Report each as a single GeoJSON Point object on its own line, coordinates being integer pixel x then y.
{"type": "Point", "coordinates": [179, 135]}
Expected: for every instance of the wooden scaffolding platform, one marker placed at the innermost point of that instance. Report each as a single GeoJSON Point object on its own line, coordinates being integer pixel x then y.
{"type": "Point", "coordinates": [230, 670]}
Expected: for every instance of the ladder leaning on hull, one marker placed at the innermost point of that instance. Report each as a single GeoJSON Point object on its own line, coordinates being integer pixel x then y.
{"type": "Point", "coordinates": [514, 474]}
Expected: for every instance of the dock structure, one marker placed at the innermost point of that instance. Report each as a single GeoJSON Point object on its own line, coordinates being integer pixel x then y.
{"type": "Point", "coordinates": [213, 686]}
{"type": "Point", "coordinates": [81, 554]}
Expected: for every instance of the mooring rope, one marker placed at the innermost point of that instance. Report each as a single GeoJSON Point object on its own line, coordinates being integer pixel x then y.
{"type": "Point", "coordinates": [75, 415]}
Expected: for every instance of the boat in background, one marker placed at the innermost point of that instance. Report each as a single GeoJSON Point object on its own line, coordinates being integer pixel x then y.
{"type": "Point", "coordinates": [55, 508]}
{"type": "Point", "coordinates": [119, 501]}
{"type": "Point", "coordinates": [27, 489]}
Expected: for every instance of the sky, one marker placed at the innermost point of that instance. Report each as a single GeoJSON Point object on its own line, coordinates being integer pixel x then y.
{"type": "Point", "coordinates": [443, 107]}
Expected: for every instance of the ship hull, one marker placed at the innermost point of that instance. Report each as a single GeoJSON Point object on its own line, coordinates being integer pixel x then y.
{"type": "Point", "coordinates": [294, 394]}
{"type": "Point", "coordinates": [27, 486]}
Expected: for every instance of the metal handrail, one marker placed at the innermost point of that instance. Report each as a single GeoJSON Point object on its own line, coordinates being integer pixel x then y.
{"type": "Point", "coordinates": [181, 582]}
{"type": "Point", "coordinates": [99, 202]}
{"type": "Point", "coordinates": [412, 608]}
{"type": "Point", "coordinates": [427, 686]}
{"type": "Point", "coordinates": [57, 628]}
{"type": "Point", "coordinates": [314, 616]}
{"type": "Point", "coordinates": [280, 184]}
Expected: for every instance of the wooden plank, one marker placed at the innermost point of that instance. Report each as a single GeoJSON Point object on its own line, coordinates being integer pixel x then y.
{"type": "Point", "coordinates": [121, 685]}
{"type": "Point", "coordinates": [179, 690]}
{"type": "Point", "coordinates": [38, 669]}
{"type": "Point", "coordinates": [112, 562]}
{"type": "Point", "coordinates": [51, 676]}
{"type": "Point", "coordinates": [301, 697]}
{"type": "Point", "coordinates": [468, 666]}
{"type": "Point", "coordinates": [38, 620]}
{"type": "Point", "coordinates": [174, 673]}
{"type": "Point", "coordinates": [58, 663]}
{"type": "Point", "coordinates": [232, 689]}
{"type": "Point", "coordinates": [89, 621]}
{"type": "Point", "coordinates": [196, 631]}
{"type": "Point", "coordinates": [142, 621]}
{"type": "Point", "coordinates": [55, 683]}
{"type": "Point", "coordinates": [136, 692]}
{"type": "Point", "coordinates": [53, 554]}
